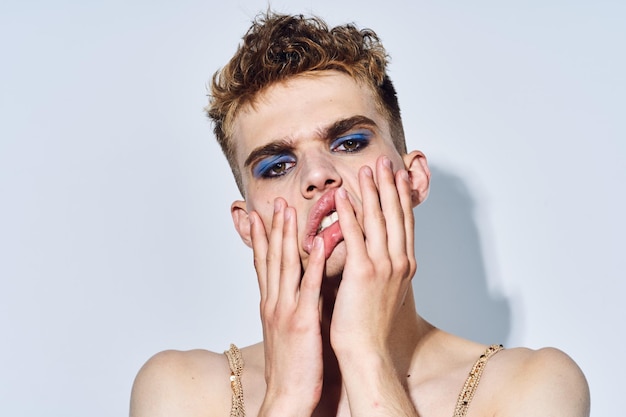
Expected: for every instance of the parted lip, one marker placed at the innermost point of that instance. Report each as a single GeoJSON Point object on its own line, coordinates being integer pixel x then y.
{"type": "Point", "coordinates": [324, 206]}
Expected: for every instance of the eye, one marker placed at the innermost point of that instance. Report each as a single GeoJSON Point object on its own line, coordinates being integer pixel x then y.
{"type": "Point", "coordinates": [279, 168]}
{"type": "Point", "coordinates": [273, 166]}
{"type": "Point", "coordinates": [350, 145]}
{"type": "Point", "coordinates": [353, 142]}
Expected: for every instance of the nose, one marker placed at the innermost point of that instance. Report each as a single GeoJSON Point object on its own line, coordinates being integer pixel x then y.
{"type": "Point", "coordinates": [318, 173]}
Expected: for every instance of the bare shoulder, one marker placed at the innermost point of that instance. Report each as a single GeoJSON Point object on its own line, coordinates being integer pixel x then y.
{"type": "Point", "coordinates": [539, 382]}
{"type": "Point", "coordinates": [175, 383]}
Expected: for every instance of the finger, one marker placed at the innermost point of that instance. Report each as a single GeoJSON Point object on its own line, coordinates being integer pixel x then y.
{"type": "Point", "coordinates": [404, 192]}
{"type": "Point", "coordinates": [350, 227]}
{"type": "Point", "coordinates": [357, 207]}
{"type": "Point", "coordinates": [290, 270]}
{"type": "Point", "coordinates": [373, 219]}
{"type": "Point", "coordinates": [259, 249]}
{"type": "Point", "coordinates": [311, 285]}
{"type": "Point", "coordinates": [391, 208]}
{"type": "Point", "coordinates": [274, 252]}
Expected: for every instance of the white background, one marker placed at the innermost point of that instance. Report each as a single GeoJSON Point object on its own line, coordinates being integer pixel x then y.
{"type": "Point", "coordinates": [115, 235]}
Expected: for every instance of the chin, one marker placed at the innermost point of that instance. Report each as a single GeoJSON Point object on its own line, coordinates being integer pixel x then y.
{"type": "Point", "coordinates": [334, 263]}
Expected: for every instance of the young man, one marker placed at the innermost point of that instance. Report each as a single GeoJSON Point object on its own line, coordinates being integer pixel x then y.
{"type": "Point", "coordinates": [309, 122]}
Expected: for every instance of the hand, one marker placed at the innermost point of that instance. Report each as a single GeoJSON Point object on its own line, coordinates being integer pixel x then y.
{"type": "Point", "coordinates": [380, 260]}
{"type": "Point", "coordinates": [290, 314]}
{"type": "Point", "coordinates": [380, 263]}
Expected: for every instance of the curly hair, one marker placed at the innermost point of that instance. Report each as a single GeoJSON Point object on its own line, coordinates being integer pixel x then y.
{"type": "Point", "coordinates": [277, 47]}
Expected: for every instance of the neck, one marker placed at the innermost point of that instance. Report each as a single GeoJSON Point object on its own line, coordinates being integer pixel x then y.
{"type": "Point", "coordinates": [405, 341]}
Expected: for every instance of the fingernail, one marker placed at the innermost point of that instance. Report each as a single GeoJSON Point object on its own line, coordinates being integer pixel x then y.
{"type": "Point", "coordinates": [342, 193]}
{"type": "Point", "coordinates": [251, 217]}
{"type": "Point", "coordinates": [317, 242]}
{"type": "Point", "coordinates": [404, 175]}
{"type": "Point", "coordinates": [276, 206]}
{"type": "Point", "coordinates": [287, 214]}
{"type": "Point", "coordinates": [386, 162]}
{"type": "Point", "coordinates": [367, 171]}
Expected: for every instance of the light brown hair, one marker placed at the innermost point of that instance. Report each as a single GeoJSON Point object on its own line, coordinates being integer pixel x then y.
{"type": "Point", "coordinates": [277, 47]}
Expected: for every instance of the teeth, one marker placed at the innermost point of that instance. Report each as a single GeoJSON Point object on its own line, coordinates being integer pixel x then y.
{"type": "Point", "coordinates": [328, 220]}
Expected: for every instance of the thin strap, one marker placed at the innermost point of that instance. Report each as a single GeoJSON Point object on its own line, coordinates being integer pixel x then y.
{"type": "Point", "coordinates": [471, 383]}
{"type": "Point", "coordinates": [235, 361]}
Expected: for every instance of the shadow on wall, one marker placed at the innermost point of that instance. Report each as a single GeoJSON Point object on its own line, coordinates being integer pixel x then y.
{"type": "Point", "coordinates": [451, 282]}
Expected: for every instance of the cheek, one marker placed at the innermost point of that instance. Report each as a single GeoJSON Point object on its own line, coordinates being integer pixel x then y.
{"type": "Point", "coordinates": [350, 177]}
{"type": "Point", "coordinates": [261, 195]}
{"type": "Point", "coordinates": [262, 202]}
{"type": "Point", "coordinates": [266, 212]}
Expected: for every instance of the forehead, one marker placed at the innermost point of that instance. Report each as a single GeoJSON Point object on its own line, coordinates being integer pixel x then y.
{"type": "Point", "coordinates": [300, 107]}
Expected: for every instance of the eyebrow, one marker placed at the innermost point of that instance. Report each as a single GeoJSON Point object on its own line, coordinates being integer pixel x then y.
{"type": "Point", "coordinates": [272, 148]}
{"type": "Point", "coordinates": [330, 132]}
{"type": "Point", "coordinates": [342, 126]}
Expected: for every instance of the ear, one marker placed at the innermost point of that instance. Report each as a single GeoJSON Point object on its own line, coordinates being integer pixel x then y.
{"type": "Point", "coordinates": [241, 220]}
{"type": "Point", "coordinates": [419, 175]}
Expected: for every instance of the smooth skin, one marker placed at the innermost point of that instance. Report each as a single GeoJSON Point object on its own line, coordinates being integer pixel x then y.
{"type": "Point", "coordinates": [341, 332]}
{"type": "Point", "coordinates": [382, 265]}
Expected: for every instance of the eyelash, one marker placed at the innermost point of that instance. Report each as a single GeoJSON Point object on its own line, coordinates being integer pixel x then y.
{"type": "Point", "coordinates": [360, 140]}
{"type": "Point", "coordinates": [274, 166]}
{"type": "Point", "coordinates": [279, 165]}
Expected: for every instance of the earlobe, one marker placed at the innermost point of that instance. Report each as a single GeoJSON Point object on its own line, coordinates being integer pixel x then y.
{"type": "Point", "coordinates": [419, 175]}
{"type": "Point", "coordinates": [241, 220]}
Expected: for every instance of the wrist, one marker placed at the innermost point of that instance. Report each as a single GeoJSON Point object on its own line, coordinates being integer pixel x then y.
{"type": "Point", "coordinates": [287, 405]}
{"type": "Point", "coordinates": [360, 364]}
{"type": "Point", "coordinates": [373, 383]}
{"type": "Point", "coordinates": [283, 410]}
{"type": "Point", "coordinates": [360, 352]}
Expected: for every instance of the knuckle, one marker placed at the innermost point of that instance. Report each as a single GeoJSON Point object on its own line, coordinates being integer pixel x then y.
{"type": "Point", "coordinates": [403, 267]}
{"type": "Point", "coordinates": [272, 257]}
{"type": "Point", "coordinates": [259, 263]}
{"type": "Point", "coordinates": [282, 312]}
{"type": "Point", "coordinates": [379, 217]}
{"type": "Point", "coordinates": [266, 309]}
{"type": "Point", "coordinates": [409, 220]}
{"type": "Point", "coordinates": [286, 266]}
{"type": "Point", "coordinates": [299, 325]}
{"type": "Point", "coordinates": [307, 284]}
{"type": "Point", "coordinates": [412, 267]}
{"type": "Point", "coordinates": [370, 269]}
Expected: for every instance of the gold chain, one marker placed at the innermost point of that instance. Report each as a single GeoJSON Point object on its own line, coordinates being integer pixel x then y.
{"type": "Point", "coordinates": [471, 383]}
{"type": "Point", "coordinates": [235, 361]}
